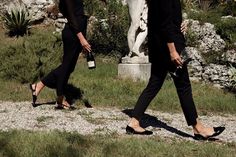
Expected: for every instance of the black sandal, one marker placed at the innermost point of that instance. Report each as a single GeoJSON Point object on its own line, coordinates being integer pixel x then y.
{"type": "Point", "coordinates": [130, 130]}
{"type": "Point", "coordinates": [59, 107]}
{"type": "Point", "coordinates": [217, 131]}
{"type": "Point", "coordinates": [34, 97]}
{"type": "Point", "coordinates": [63, 107]}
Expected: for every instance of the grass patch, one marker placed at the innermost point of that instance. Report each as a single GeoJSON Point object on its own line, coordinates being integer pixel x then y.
{"type": "Point", "coordinates": [42, 144]}
{"type": "Point", "coordinates": [30, 57]}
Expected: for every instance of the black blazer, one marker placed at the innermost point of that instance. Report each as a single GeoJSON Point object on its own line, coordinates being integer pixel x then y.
{"type": "Point", "coordinates": [73, 10]}
{"type": "Point", "coordinates": [164, 24]}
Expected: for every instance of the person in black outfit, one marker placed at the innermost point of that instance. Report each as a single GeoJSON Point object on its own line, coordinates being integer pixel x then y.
{"type": "Point", "coordinates": [165, 44]}
{"type": "Point", "coordinates": [73, 36]}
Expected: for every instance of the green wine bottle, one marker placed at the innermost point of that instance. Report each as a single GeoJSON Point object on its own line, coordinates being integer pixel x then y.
{"type": "Point", "coordinates": [91, 61]}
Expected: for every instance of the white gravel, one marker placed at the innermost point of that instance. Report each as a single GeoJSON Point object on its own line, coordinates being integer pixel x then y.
{"type": "Point", "coordinates": [22, 115]}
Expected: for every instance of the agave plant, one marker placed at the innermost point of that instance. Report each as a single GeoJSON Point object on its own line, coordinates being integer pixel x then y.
{"type": "Point", "coordinates": [17, 21]}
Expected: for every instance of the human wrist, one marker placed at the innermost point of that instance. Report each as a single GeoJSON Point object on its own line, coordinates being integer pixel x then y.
{"type": "Point", "coordinates": [171, 47]}
{"type": "Point", "coordinates": [80, 36]}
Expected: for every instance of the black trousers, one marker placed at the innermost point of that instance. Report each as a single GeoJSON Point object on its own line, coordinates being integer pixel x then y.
{"type": "Point", "coordinates": [58, 78]}
{"type": "Point", "coordinates": [184, 90]}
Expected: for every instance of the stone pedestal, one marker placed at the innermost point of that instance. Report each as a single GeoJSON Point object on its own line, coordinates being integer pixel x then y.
{"type": "Point", "coordinates": [135, 71]}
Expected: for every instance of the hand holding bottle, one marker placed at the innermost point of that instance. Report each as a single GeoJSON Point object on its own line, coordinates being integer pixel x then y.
{"type": "Point", "coordinates": [176, 59]}
{"type": "Point", "coordinates": [86, 46]}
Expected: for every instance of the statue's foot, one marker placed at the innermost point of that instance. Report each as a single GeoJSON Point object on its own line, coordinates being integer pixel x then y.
{"type": "Point", "coordinates": [138, 54]}
{"type": "Point", "coordinates": [142, 54]}
{"type": "Point", "coordinates": [130, 54]}
{"type": "Point", "coordinates": [133, 54]}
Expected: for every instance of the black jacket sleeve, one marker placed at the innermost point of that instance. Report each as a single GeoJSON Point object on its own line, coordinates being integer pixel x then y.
{"type": "Point", "coordinates": [74, 12]}
{"type": "Point", "coordinates": [168, 27]}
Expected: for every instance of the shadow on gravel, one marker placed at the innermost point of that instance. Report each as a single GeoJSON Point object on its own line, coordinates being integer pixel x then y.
{"type": "Point", "coordinates": [149, 120]}
{"type": "Point", "coordinates": [45, 103]}
{"type": "Point", "coordinates": [72, 94]}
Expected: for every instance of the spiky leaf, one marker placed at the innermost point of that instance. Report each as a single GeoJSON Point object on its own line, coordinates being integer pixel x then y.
{"type": "Point", "coordinates": [17, 22]}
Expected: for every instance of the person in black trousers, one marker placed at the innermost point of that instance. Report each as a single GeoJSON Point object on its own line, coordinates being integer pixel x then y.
{"type": "Point", "coordinates": [73, 36]}
{"type": "Point", "coordinates": [165, 44]}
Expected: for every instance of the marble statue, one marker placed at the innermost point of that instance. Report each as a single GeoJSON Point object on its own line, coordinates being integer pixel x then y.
{"type": "Point", "coordinates": [137, 33]}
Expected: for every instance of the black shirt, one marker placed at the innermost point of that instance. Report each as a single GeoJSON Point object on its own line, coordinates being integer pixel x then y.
{"type": "Point", "coordinates": [73, 10]}
{"type": "Point", "coordinates": [164, 24]}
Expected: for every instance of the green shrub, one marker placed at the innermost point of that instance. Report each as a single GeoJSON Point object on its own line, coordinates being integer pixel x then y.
{"type": "Point", "coordinates": [205, 4]}
{"type": "Point", "coordinates": [95, 8]}
{"type": "Point", "coordinates": [17, 21]}
{"type": "Point", "coordinates": [31, 59]}
{"type": "Point", "coordinates": [189, 4]}
{"type": "Point", "coordinates": [230, 8]}
{"type": "Point", "coordinates": [212, 16]}
{"type": "Point", "coordinates": [191, 39]}
{"type": "Point", "coordinates": [216, 3]}
{"type": "Point", "coordinates": [226, 29]}
{"type": "Point", "coordinates": [109, 32]}
{"type": "Point", "coordinates": [213, 57]}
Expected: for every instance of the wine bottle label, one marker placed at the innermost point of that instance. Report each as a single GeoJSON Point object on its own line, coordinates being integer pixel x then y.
{"type": "Point", "coordinates": [91, 64]}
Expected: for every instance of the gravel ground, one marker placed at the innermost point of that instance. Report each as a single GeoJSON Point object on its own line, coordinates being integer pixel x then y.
{"type": "Point", "coordinates": [87, 121]}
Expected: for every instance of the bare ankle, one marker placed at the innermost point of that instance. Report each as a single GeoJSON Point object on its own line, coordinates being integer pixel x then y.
{"type": "Point", "coordinates": [39, 86]}
{"type": "Point", "coordinates": [198, 127]}
{"type": "Point", "coordinates": [134, 122]}
{"type": "Point", "coordinates": [65, 103]}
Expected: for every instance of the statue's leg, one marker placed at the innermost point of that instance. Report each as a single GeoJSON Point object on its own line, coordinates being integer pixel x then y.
{"type": "Point", "coordinates": [139, 41]}
{"type": "Point", "coordinates": [131, 36]}
{"type": "Point", "coordinates": [135, 10]}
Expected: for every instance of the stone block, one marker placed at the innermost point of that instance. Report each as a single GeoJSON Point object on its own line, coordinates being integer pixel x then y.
{"type": "Point", "coordinates": [135, 72]}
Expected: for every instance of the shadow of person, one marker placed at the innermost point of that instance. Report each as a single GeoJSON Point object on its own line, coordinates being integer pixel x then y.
{"type": "Point", "coordinates": [148, 120]}
{"type": "Point", "coordinates": [45, 103]}
{"type": "Point", "coordinates": [72, 94]}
